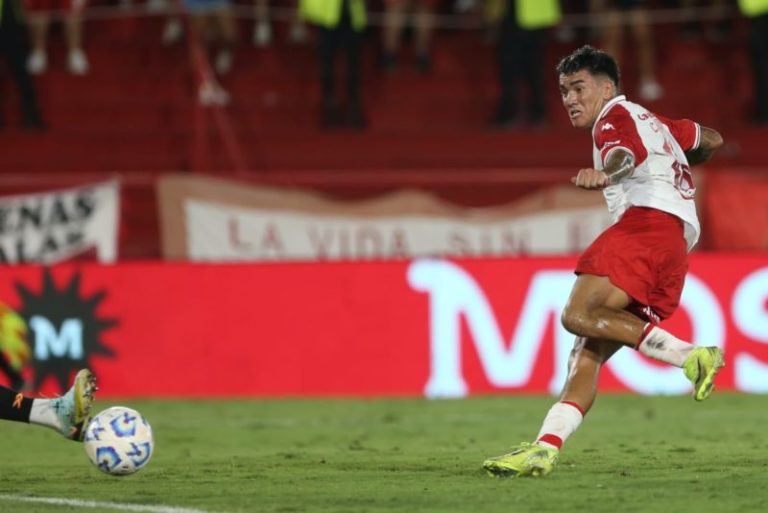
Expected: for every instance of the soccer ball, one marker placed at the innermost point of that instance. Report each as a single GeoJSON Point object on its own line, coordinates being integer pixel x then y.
{"type": "Point", "coordinates": [119, 441]}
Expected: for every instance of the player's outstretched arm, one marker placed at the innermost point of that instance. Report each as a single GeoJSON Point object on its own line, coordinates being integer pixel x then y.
{"type": "Point", "coordinates": [618, 166]}
{"type": "Point", "coordinates": [711, 140]}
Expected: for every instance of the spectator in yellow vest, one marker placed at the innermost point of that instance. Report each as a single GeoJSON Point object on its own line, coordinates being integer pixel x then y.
{"type": "Point", "coordinates": [521, 59]}
{"type": "Point", "coordinates": [340, 28]}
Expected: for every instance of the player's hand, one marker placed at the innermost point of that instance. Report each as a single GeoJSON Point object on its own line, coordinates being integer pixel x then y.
{"type": "Point", "coordinates": [590, 178]}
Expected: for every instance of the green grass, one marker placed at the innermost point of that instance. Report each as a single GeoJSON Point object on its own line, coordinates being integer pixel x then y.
{"type": "Point", "coordinates": [632, 454]}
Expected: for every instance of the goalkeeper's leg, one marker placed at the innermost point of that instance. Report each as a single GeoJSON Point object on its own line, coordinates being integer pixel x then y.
{"type": "Point", "coordinates": [67, 414]}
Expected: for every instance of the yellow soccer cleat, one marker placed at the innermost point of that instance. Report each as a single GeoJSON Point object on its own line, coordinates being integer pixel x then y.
{"type": "Point", "coordinates": [525, 460]}
{"type": "Point", "coordinates": [701, 367]}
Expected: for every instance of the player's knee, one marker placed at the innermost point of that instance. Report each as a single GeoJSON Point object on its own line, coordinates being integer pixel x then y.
{"type": "Point", "coordinates": [575, 320]}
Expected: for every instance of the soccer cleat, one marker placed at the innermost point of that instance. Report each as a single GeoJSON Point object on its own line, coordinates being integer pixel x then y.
{"type": "Point", "coordinates": [701, 367]}
{"type": "Point", "coordinates": [525, 460]}
{"type": "Point", "coordinates": [73, 408]}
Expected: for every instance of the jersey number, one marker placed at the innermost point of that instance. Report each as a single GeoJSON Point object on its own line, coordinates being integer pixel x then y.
{"type": "Point", "coordinates": [684, 180]}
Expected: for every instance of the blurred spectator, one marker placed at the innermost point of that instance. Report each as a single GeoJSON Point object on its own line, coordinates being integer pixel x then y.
{"type": "Point", "coordinates": [340, 27]}
{"type": "Point", "coordinates": [692, 26]}
{"type": "Point", "coordinates": [214, 22]}
{"type": "Point", "coordinates": [39, 23]}
{"type": "Point", "coordinates": [395, 13]}
{"type": "Point", "coordinates": [568, 33]}
{"type": "Point", "coordinates": [757, 13]}
{"type": "Point", "coordinates": [13, 46]}
{"type": "Point", "coordinates": [298, 34]}
{"type": "Point", "coordinates": [173, 29]}
{"type": "Point", "coordinates": [522, 57]}
{"type": "Point", "coordinates": [262, 30]}
{"type": "Point", "coordinates": [633, 13]}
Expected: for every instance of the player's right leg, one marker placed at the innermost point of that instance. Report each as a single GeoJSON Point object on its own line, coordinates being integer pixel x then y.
{"type": "Point", "coordinates": [525, 460]}
{"type": "Point", "coordinates": [540, 457]}
{"type": "Point", "coordinates": [68, 414]}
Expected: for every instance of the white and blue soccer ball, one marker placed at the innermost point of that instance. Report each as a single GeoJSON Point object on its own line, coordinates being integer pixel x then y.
{"type": "Point", "coordinates": [119, 441]}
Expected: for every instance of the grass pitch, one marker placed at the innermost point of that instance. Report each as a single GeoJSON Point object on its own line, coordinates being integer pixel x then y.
{"type": "Point", "coordinates": [632, 454]}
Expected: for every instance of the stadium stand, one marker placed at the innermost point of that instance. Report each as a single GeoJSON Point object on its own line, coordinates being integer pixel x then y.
{"type": "Point", "coordinates": [136, 115]}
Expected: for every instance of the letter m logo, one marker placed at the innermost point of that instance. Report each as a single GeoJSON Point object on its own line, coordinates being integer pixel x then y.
{"type": "Point", "coordinates": [454, 294]}
{"type": "Point", "coordinates": [49, 343]}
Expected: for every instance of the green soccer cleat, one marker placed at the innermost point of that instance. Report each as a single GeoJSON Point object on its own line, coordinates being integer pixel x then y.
{"type": "Point", "coordinates": [73, 408]}
{"type": "Point", "coordinates": [701, 367]}
{"type": "Point", "coordinates": [525, 460]}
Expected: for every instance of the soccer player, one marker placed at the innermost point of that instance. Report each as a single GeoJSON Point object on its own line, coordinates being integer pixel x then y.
{"type": "Point", "coordinates": [632, 275]}
{"type": "Point", "coordinates": [67, 414]}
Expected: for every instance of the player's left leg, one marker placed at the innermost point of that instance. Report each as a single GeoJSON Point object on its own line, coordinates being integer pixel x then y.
{"type": "Point", "coordinates": [67, 414]}
{"type": "Point", "coordinates": [596, 309]}
{"type": "Point", "coordinates": [701, 367]}
{"type": "Point", "coordinates": [540, 457]}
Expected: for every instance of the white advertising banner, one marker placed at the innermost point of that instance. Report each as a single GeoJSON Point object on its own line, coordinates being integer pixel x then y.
{"type": "Point", "coordinates": [53, 226]}
{"type": "Point", "coordinates": [225, 232]}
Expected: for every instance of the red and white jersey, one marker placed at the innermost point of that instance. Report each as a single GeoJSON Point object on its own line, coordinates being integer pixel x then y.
{"type": "Point", "coordinates": [662, 177]}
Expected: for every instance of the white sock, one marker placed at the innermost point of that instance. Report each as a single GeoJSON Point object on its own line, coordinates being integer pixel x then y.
{"type": "Point", "coordinates": [43, 414]}
{"type": "Point", "coordinates": [560, 423]}
{"type": "Point", "coordinates": [661, 345]}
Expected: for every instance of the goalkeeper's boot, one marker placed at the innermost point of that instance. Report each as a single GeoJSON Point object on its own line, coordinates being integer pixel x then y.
{"type": "Point", "coordinates": [74, 407]}
{"type": "Point", "coordinates": [701, 367]}
{"type": "Point", "coordinates": [525, 460]}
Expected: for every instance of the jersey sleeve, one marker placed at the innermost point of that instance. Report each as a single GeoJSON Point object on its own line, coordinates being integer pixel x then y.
{"type": "Point", "coordinates": [616, 131]}
{"type": "Point", "coordinates": [687, 133]}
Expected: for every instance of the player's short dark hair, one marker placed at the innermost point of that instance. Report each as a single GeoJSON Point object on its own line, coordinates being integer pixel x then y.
{"type": "Point", "coordinates": [595, 61]}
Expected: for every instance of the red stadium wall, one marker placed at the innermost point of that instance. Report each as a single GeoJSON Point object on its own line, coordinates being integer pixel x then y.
{"type": "Point", "coordinates": [432, 327]}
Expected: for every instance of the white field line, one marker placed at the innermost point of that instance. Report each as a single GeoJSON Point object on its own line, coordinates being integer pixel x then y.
{"type": "Point", "coordinates": [56, 501]}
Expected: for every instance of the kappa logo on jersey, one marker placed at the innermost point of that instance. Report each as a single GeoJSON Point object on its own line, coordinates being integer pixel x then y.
{"type": "Point", "coordinates": [608, 126]}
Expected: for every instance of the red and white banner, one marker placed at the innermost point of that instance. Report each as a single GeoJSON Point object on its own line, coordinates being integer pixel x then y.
{"type": "Point", "coordinates": [54, 226]}
{"type": "Point", "coordinates": [221, 232]}
{"type": "Point", "coordinates": [429, 327]}
{"type": "Point", "coordinates": [206, 219]}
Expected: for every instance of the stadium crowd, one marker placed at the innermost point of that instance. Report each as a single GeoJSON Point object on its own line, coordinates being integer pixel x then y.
{"type": "Point", "coordinates": [522, 30]}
